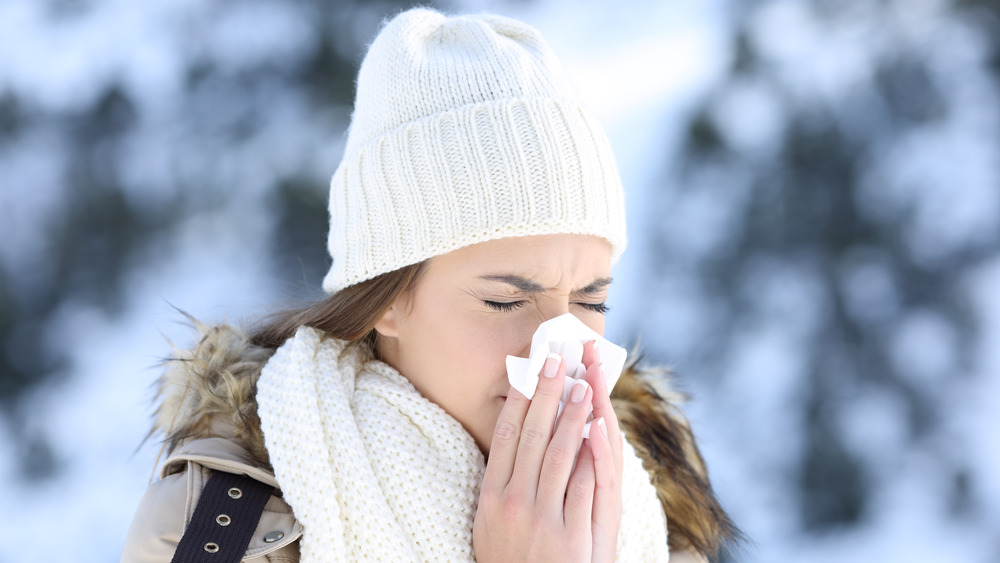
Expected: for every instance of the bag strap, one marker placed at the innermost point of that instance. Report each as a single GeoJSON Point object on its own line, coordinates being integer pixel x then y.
{"type": "Point", "coordinates": [224, 520]}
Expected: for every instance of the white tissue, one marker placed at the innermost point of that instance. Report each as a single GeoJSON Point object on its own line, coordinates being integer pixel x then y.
{"type": "Point", "coordinates": [564, 335]}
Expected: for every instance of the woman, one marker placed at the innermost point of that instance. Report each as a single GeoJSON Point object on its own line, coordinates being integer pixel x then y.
{"type": "Point", "coordinates": [476, 199]}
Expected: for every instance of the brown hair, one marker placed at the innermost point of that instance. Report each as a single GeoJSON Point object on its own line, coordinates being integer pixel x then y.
{"type": "Point", "coordinates": [350, 314]}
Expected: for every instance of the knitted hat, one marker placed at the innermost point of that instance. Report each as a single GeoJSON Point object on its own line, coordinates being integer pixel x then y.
{"type": "Point", "coordinates": [465, 129]}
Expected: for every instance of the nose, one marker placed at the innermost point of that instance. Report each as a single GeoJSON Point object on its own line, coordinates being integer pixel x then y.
{"type": "Point", "coordinates": [552, 308]}
{"type": "Point", "coordinates": [546, 311]}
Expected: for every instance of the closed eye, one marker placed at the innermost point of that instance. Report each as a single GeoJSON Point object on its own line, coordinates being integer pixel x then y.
{"type": "Point", "coordinates": [505, 306]}
{"type": "Point", "coordinates": [508, 306]}
{"type": "Point", "coordinates": [596, 307]}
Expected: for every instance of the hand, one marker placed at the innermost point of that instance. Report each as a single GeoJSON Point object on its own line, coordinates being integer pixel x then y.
{"type": "Point", "coordinates": [534, 504]}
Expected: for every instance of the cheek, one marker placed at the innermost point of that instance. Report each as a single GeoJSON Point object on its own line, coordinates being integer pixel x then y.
{"type": "Point", "coordinates": [596, 323]}
{"type": "Point", "coordinates": [457, 344]}
{"type": "Point", "coordinates": [511, 333]}
{"type": "Point", "coordinates": [485, 341]}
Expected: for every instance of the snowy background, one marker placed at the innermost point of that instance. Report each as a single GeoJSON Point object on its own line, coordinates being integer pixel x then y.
{"type": "Point", "coordinates": [814, 207]}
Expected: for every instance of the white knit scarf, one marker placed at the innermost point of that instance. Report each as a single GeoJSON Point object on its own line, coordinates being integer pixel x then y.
{"type": "Point", "coordinates": [375, 471]}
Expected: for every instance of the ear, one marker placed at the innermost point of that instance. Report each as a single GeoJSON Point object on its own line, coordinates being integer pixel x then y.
{"type": "Point", "coordinates": [388, 325]}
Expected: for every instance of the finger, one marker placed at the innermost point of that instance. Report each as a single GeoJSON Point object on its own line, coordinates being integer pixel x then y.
{"type": "Point", "coordinates": [603, 409]}
{"type": "Point", "coordinates": [506, 435]}
{"type": "Point", "coordinates": [607, 489]}
{"type": "Point", "coordinates": [590, 353]}
{"type": "Point", "coordinates": [559, 456]}
{"type": "Point", "coordinates": [537, 427]}
{"type": "Point", "coordinates": [579, 506]}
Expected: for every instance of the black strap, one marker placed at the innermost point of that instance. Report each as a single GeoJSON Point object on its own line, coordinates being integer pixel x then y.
{"type": "Point", "coordinates": [224, 520]}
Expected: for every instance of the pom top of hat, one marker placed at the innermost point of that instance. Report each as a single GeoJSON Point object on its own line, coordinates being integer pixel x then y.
{"type": "Point", "coordinates": [423, 63]}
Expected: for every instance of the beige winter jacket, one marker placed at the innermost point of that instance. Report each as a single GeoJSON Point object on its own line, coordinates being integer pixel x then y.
{"type": "Point", "coordinates": [208, 415]}
{"type": "Point", "coordinates": [169, 503]}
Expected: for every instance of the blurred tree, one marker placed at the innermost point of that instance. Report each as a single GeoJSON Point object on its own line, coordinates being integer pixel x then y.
{"type": "Point", "coordinates": [812, 168]}
{"type": "Point", "coordinates": [245, 123]}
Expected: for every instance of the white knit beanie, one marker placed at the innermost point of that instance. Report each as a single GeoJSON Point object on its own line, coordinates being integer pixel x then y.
{"type": "Point", "coordinates": [465, 129]}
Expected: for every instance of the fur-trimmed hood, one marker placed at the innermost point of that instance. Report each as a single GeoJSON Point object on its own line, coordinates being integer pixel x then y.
{"type": "Point", "coordinates": [210, 392]}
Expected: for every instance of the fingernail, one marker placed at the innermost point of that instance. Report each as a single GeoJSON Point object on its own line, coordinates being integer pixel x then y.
{"type": "Point", "coordinates": [597, 348]}
{"type": "Point", "coordinates": [552, 365]}
{"type": "Point", "coordinates": [579, 391]}
{"type": "Point", "coordinates": [604, 427]}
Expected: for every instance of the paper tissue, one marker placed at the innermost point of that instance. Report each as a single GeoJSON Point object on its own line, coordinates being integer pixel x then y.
{"type": "Point", "coordinates": [564, 335]}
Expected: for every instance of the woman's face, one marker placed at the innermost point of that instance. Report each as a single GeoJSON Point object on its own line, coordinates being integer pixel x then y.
{"type": "Point", "coordinates": [470, 308]}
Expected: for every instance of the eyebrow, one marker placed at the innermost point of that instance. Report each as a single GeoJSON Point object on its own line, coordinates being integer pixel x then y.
{"type": "Point", "coordinates": [529, 286]}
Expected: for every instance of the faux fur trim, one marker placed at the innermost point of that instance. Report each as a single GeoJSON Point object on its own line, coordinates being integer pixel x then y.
{"type": "Point", "coordinates": [661, 435]}
{"type": "Point", "coordinates": [211, 390]}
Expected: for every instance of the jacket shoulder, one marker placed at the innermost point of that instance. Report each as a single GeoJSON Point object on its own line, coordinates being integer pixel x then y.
{"type": "Point", "coordinates": [159, 522]}
{"type": "Point", "coordinates": [168, 504]}
{"type": "Point", "coordinates": [167, 507]}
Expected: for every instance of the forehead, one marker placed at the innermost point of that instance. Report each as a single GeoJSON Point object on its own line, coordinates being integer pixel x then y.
{"type": "Point", "coordinates": [542, 258]}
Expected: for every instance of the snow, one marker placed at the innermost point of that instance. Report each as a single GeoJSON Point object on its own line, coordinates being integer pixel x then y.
{"type": "Point", "coordinates": [643, 70]}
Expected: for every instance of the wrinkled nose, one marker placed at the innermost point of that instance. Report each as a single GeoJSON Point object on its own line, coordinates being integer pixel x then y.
{"type": "Point", "coordinates": [554, 309]}
{"type": "Point", "coordinates": [549, 311]}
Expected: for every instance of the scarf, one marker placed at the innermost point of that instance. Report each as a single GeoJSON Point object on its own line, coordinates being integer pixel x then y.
{"type": "Point", "coordinates": [374, 470]}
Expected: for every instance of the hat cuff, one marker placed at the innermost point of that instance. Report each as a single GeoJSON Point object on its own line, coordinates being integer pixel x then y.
{"type": "Point", "coordinates": [514, 167]}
